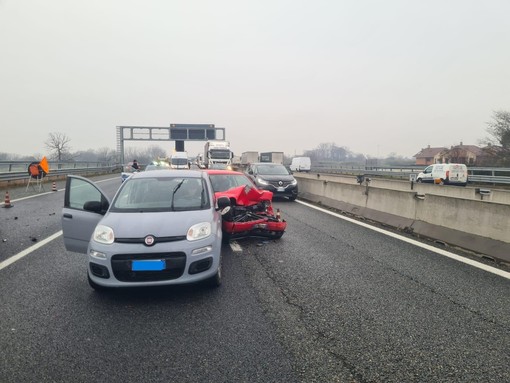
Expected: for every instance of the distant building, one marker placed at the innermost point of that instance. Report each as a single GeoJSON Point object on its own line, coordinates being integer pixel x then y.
{"type": "Point", "coordinates": [462, 154]}
{"type": "Point", "coordinates": [429, 156]}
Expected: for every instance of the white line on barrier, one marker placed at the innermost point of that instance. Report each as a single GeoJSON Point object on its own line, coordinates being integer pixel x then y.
{"type": "Point", "coordinates": [448, 254]}
{"type": "Point", "coordinates": [25, 252]}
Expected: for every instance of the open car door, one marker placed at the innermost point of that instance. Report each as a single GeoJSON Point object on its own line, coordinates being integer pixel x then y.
{"type": "Point", "coordinates": [84, 206]}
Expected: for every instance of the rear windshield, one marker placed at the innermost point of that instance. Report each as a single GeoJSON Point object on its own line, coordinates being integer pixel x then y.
{"type": "Point", "coordinates": [222, 182]}
{"type": "Point", "coordinates": [162, 194]}
{"type": "Point", "coordinates": [272, 169]}
{"type": "Point", "coordinates": [179, 161]}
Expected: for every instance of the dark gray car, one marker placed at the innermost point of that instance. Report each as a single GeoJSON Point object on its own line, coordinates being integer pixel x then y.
{"type": "Point", "coordinates": [275, 178]}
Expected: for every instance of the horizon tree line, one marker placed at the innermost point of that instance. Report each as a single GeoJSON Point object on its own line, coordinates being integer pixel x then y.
{"type": "Point", "coordinates": [497, 149]}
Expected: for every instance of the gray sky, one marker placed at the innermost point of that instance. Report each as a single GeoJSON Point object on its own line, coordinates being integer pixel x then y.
{"type": "Point", "coordinates": [374, 76]}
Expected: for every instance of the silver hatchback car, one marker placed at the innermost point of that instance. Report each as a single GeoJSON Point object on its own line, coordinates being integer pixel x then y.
{"type": "Point", "coordinates": [161, 228]}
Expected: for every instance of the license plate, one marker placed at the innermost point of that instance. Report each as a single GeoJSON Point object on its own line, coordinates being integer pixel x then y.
{"type": "Point", "coordinates": [280, 189]}
{"type": "Point", "coordinates": [148, 265]}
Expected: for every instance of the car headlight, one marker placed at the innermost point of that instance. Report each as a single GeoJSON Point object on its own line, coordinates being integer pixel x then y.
{"type": "Point", "coordinates": [294, 182]}
{"type": "Point", "coordinates": [262, 182]}
{"type": "Point", "coordinates": [104, 234]}
{"type": "Point", "coordinates": [199, 231]}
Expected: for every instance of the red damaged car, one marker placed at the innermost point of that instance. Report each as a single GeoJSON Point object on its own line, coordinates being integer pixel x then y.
{"type": "Point", "coordinates": [251, 212]}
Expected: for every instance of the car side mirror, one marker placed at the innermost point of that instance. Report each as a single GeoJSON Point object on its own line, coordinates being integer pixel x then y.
{"type": "Point", "coordinates": [223, 205]}
{"type": "Point", "coordinates": [223, 202]}
{"type": "Point", "coordinates": [95, 207]}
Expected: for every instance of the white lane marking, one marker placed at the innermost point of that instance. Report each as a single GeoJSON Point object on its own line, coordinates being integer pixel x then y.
{"type": "Point", "coordinates": [236, 247]}
{"type": "Point", "coordinates": [41, 243]}
{"type": "Point", "coordinates": [445, 253]}
{"type": "Point", "coordinates": [25, 252]}
{"type": "Point", "coordinates": [30, 196]}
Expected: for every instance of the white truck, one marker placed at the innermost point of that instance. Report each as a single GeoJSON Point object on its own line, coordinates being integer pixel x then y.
{"type": "Point", "coordinates": [179, 160]}
{"type": "Point", "coordinates": [249, 158]}
{"type": "Point", "coordinates": [217, 154]}
{"type": "Point", "coordinates": [274, 157]}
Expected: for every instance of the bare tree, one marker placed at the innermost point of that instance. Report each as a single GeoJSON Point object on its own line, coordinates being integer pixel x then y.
{"type": "Point", "coordinates": [499, 142]}
{"type": "Point", "coordinates": [324, 150]}
{"type": "Point", "coordinates": [58, 144]}
{"type": "Point", "coordinates": [144, 155]}
{"type": "Point", "coordinates": [153, 152]}
{"type": "Point", "coordinates": [106, 154]}
{"type": "Point", "coordinates": [457, 155]}
{"type": "Point", "coordinates": [330, 152]}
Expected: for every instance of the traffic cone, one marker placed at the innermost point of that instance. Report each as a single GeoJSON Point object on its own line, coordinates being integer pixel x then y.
{"type": "Point", "coordinates": [7, 201]}
{"type": "Point", "coordinates": [54, 186]}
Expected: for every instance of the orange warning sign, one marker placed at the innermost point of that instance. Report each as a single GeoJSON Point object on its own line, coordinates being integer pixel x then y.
{"type": "Point", "coordinates": [44, 165]}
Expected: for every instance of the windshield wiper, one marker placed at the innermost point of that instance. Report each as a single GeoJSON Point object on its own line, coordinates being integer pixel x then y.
{"type": "Point", "coordinates": [173, 192]}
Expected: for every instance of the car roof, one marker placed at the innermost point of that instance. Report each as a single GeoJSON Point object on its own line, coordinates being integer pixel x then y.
{"type": "Point", "coordinates": [170, 173]}
{"type": "Point", "coordinates": [221, 171]}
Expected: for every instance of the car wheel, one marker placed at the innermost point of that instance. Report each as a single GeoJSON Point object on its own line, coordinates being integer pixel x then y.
{"type": "Point", "coordinates": [293, 198]}
{"type": "Point", "coordinates": [95, 286]}
{"type": "Point", "coordinates": [441, 181]}
{"type": "Point", "coordinates": [418, 180]}
{"type": "Point", "coordinates": [215, 281]}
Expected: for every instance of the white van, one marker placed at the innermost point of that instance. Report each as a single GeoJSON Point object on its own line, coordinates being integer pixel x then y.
{"type": "Point", "coordinates": [301, 164]}
{"type": "Point", "coordinates": [179, 160]}
{"type": "Point", "coordinates": [444, 174]}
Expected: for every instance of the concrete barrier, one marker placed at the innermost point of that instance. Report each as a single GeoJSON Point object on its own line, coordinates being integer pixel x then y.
{"type": "Point", "coordinates": [456, 216]}
{"type": "Point", "coordinates": [495, 195]}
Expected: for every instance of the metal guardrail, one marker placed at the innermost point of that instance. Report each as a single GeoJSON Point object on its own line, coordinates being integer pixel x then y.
{"type": "Point", "coordinates": [479, 179]}
{"type": "Point", "coordinates": [18, 170]}
{"type": "Point", "coordinates": [478, 175]}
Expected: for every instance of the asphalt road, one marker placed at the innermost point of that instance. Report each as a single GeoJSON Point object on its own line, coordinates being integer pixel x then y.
{"type": "Point", "coordinates": [329, 302]}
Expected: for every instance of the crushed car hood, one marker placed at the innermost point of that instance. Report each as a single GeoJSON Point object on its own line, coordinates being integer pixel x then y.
{"type": "Point", "coordinates": [246, 195]}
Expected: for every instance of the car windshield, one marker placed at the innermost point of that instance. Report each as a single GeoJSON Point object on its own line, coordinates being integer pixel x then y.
{"type": "Point", "coordinates": [162, 194]}
{"type": "Point", "coordinates": [221, 154]}
{"type": "Point", "coordinates": [156, 167]}
{"type": "Point", "coordinates": [272, 169]}
{"type": "Point", "coordinates": [222, 182]}
{"type": "Point", "coordinates": [179, 161]}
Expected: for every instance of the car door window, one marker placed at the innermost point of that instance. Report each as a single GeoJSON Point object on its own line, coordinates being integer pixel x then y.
{"type": "Point", "coordinates": [81, 191]}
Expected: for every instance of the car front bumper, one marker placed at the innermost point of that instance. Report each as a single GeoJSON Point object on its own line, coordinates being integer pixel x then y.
{"type": "Point", "coordinates": [132, 265]}
{"type": "Point", "coordinates": [257, 228]}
